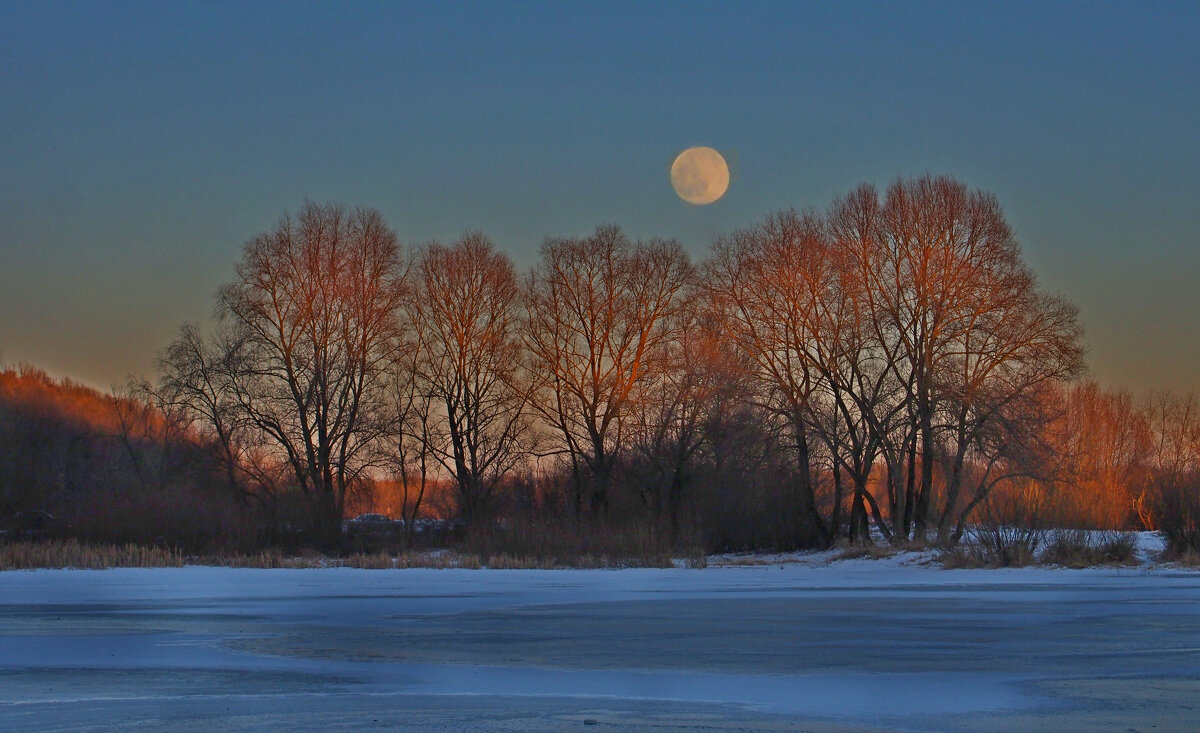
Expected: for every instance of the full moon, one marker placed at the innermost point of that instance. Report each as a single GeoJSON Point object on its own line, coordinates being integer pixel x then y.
{"type": "Point", "coordinates": [700, 175]}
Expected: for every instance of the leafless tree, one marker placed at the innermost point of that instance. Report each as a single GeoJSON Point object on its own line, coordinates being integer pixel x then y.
{"type": "Point", "coordinates": [468, 299]}
{"type": "Point", "coordinates": [899, 356]}
{"type": "Point", "coordinates": [412, 401]}
{"type": "Point", "coordinates": [903, 328]}
{"type": "Point", "coordinates": [1018, 345]}
{"type": "Point", "coordinates": [195, 388]}
{"type": "Point", "coordinates": [601, 310]}
{"type": "Point", "coordinates": [766, 286]}
{"type": "Point", "coordinates": [1169, 500]}
{"type": "Point", "coordinates": [1174, 424]}
{"type": "Point", "coordinates": [314, 312]}
{"type": "Point", "coordinates": [960, 323]}
{"type": "Point", "coordinates": [670, 412]}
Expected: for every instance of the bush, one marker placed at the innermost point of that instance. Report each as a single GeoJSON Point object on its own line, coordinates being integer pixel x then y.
{"type": "Point", "coordinates": [993, 547]}
{"type": "Point", "coordinates": [194, 521]}
{"type": "Point", "coordinates": [1077, 548]}
{"type": "Point", "coordinates": [1119, 548]}
{"type": "Point", "coordinates": [1175, 510]}
{"type": "Point", "coordinates": [1189, 559]}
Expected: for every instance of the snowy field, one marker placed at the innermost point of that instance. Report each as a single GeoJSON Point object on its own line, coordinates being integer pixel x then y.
{"type": "Point", "coordinates": [800, 644]}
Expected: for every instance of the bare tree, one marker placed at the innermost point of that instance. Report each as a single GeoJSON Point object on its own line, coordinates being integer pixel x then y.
{"type": "Point", "coordinates": [1017, 347]}
{"type": "Point", "coordinates": [412, 419]}
{"type": "Point", "coordinates": [195, 387]}
{"type": "Point", "coordinates": [960, 323]}
{"type": "Point", "coordinates": [1169, 499]}
{"type": "Point", "coordinates": [600, 315]}
{"type": "Point", "coordinates": [669, 414]}
{"type": "Point", "coordinates": [468, 299]}
{"type": "Point", "coordinates": [766, 286]}
{"type": "Point", "coordinates": [905, 329]}
{"type": "Point", "coordinates": [1174, 425]}
{"type": "Point", "coordinates": [166, 442]}
{"type": "Point", "coordinates": [314, 310]}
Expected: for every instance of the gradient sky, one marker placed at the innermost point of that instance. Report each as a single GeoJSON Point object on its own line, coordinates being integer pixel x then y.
{"type": "Point", "coordinates": [142, 143]}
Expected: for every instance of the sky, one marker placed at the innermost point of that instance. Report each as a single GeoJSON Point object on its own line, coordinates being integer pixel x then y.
{"type": "Point", "coordinates": [141, 144]}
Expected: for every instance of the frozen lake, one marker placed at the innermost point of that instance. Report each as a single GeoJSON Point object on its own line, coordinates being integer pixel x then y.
{"type": "Point", "coordinates": [855, 645]}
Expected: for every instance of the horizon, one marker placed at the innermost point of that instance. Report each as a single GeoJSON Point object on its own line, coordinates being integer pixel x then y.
{"type": "Point", "coordinates": [144, 146]}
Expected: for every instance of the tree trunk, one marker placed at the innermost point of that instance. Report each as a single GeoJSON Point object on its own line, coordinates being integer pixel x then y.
{"type": "Point", "coordinates": [807, 496]}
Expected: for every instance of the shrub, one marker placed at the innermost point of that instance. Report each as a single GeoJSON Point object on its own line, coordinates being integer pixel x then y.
{"type": "Point", "coordinates": [1119, 548]}
{"type": "Point", "coordinates": [1175, 510]}
{"type": "Point", "coordinates": [993, 547]}
{"type": "Point", "coordinates": [1190, 559]}
{"type": "Point", "coordinates": [1076, 548]}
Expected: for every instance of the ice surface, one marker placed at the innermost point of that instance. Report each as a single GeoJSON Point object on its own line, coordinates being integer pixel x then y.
{"type": "Point", "coordinates": [803, 641]}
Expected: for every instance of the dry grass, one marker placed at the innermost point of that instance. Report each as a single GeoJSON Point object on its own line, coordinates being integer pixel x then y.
{"type": "Point", "coordinates": [269, 558]}
{"type": "Point", "coordinates": [959, 558]}
{"type": "Point", "coordinates": [437, 560]}
{"type": "Point", "coordinates": [746, 561]}
{"type": "Point", "coordinates": [272, 559]}
{"type": "Point", "coordinates": [509, 562]}
{"type": "Point", "coordinates": [77, 555]}
{"type": "Point", "coordinates": [872, 551]}
{"type": "Point", "coordinates": [74, 554]}
{"type": "Point", "coordinates": [531, 544]}
{"type": "Point", "coordinates": [504, 561]}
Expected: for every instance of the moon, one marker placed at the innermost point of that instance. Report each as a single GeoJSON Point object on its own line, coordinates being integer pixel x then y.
{"type": "Point", "coordinates": [700, 175]}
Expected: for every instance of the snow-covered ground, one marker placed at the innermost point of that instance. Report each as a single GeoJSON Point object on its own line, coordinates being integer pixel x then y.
{"type": "Point", "coordinates": [1149, 547]}
{"type": "Point", "coordinates": [802, 643]}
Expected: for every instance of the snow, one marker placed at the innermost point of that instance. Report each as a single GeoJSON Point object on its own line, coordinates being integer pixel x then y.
{"type": "Point", "coordinates": [1150, 546]}
{"type": "Point", "coordinates": [805, 639]}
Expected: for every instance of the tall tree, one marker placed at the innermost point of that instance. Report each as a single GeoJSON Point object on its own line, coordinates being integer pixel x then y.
{"type": "Point", "coordinates": [963, 326]}
{"type": "Point", "coordinates": [601, 311]}
{"type": "Point", "coordinates": [314, 307]}
{"type": "Point", "coordinates": [468, 297]}
{"type": "Point", "coordinates": [668, 417]}
{"type": "Point", "coordinates": [766, 285]}
{"type": "Point", "coordinates": [196, 387]}
{"type": "Point", "coordinates": [905, 328]}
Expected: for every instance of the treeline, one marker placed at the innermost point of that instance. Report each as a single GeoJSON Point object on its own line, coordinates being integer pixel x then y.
{"type": "Point", "coordinates": [888, 366]}
{"type": "Point", "coordinates": [109, 468]}
{"type": "Point", "coordinates": [1117, 462]}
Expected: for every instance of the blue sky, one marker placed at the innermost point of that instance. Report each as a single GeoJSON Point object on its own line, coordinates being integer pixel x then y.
{"type": "Point", "coordinates": [142, 143]}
